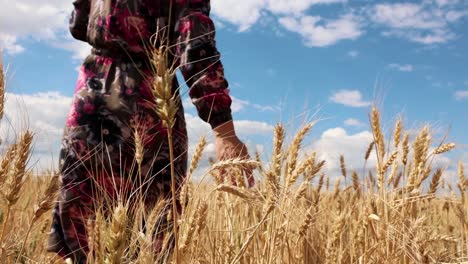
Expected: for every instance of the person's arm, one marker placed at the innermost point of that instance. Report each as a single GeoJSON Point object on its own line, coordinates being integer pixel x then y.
{"type": "Point", "coordinates": [204, 74]}
{"type": "Point", "coordinates": [200, 62]}
{"type": "Point", "coordinates": [79, 19]}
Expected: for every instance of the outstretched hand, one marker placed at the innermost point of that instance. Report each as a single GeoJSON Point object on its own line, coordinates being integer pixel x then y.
{"type": "Point", "coordinates": [229, 146]}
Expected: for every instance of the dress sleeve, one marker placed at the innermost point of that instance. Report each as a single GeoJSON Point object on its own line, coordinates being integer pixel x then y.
{"type": "Point", "coordinates": [200, 62]}
{"type": "Point", "coordinates": [79, 19]}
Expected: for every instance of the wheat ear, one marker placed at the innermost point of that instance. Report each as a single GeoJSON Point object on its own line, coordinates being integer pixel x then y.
{"type": "Point", "coordinates": [444, 148]}
{"type": "Point", "coordinates": [117, 234]}
{"type": "Point", "coordinates": [293, 150]}
{"type": "Point", "coordinates": [397, 133]}
{"type": "Point", "coordinates": [45, 204]}
{"type": "Point", "coordinates": [166, 106]}
{"type": "Point", "coordinates": [23, 151]}
{"type": "Point", "coordinates": [2, 87]}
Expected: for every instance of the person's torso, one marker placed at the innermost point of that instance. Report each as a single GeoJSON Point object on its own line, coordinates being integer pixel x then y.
{"type": "Point", "coordinates": [127, 24]}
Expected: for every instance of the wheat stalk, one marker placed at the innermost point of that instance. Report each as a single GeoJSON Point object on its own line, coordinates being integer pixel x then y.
{"type": "Point", "coordinates": [419, 147]}
{"type": "Point", "coordinates": [293, 150]}
{"type": "Point", "coordinates": [7, 159]}
{"type": "Point", "coordinates": [23, 151]}
{"type": "Point", "coordinates": [393, 173]}
{"type": "Point", "coordinates": [45, 204]}
{"type": "Point", "coordinates": [404, 158]}
{"type": "Point", "coordinates": [389, 162]}
{"type": "Point", "coordinates": [191, 228]}
{"type": "Point", "coordinates": [397, 133]}
{"type": "Point", "coordinates": [197, 155]}
{"type": "Point", "coordinates": [369, 150]}
{"type": "Point", "coordinates": [47, 201]}
{"type": "Point", "coordinates": [239, 192]}
{"type": "Point", "coordinates": [273, 175]}
{"type": "Point", "coordinates": [117, 234]}
{"type": "Point", "coordinates": [332, 249]}
{"type": "Point", "coordinates": [307, 222]}
{"type": "Point", "coordinates": [166, 107]}
{"type": "Point", "coordinates": [2, 87]}
{"type": "Point", "coordinates": [435, 181]}
{"type": "Point", "coordinates": [356, 184]}
{"type": "Point", "coordinates": [444, 148]}
{"type": "Point", "coordinates": [336, 191]}
{"type": "Point", "coordinates": [303, 166]}
{"type": "Point", "coordinates": [259, 160]}
{"type": "Point", "coordinates": [461, 174]}
{"type": "Point", "coordinates": [202, 213]}
{"type": "Point", "coordinates": [343, 166]}
{"type": "Point", "coordinates": [378, 135]}
{"type": "Point", "coordinates": [97, 238]}
{"type": "Point", "coordinates": [462, 182]}
{"type": "Point", "coordinates": [237, 162]}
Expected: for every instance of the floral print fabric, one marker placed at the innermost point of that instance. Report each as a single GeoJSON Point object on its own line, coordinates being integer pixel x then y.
{"type": "Point", "coordinates": [113, 99]}
{"type": "Point", "coordinates": [126, 26]}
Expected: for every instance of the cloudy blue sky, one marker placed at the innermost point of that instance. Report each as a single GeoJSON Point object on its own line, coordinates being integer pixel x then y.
{"type": "Point", "coordinates": [286, 60]}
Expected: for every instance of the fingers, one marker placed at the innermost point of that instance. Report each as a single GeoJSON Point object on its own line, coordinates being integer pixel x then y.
{"type": "Point", "coordinates": [238, 150]}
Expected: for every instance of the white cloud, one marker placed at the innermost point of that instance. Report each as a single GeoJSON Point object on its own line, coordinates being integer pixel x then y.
{"type": "Point", "coordinates": [31, 19]}
{"type": "Point", "coordinates": [351, 98]}
{"type": "Point", "coordinates": [79, 49]}
{"type": "Point", "coordinates": [455, 15]}
{"type": "Point", "coordinates": [44, 114]}
{"type": "Point", "coordinates": [266, 108]}
{"type": "Point", "coordinates": [318, 32]}
{"type": "Point", "coordinates": [405, 15]}
{"type": "Point", "coordinates": [9, 43]}
{"type": "Point", "coordinates": [238, 105]}
{"type": "Point", "coordinates": [461, 95]}
{"type": "Point", "coordinates": [427, 22]}
{"type": "Point", "coordinates": [38, 20]}
{"type": "Point", "coordinates": [249, 128]}
{"type": "Point", "coordinates": [421, 23]}
{"type": "Point", "coordinates": [354, 123]}
{"type": "Point", "coordinates": [435, 36]}
{"type": "Point", "coordinates": [198, 127]}
{"type": "Point", "coordinates": [336, 141]}
{"type": "Point", "coordinates": [401, 67]}
{"type": "Point", "coordinates": [243, 13]}
{"type": "Point", "coordinates": [353, 53]}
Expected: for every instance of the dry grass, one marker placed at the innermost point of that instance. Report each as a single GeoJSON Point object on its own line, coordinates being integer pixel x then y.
{"type": "Point", "coordinates": [291, 216]}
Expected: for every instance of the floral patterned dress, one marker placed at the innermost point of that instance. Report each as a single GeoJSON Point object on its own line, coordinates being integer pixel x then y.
{"type": "Point", "coordinates": [113, 99]}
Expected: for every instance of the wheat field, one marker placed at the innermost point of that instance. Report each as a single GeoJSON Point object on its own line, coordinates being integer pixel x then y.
{"type": "Point", "coordinates": [400, 211]}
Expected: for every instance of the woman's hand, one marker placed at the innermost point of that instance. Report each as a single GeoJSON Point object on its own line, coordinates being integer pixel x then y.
{"type": "Point", "coordinates": [229, 146]}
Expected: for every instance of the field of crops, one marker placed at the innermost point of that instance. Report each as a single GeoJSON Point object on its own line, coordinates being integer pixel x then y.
{"type": "Point", "coordinates": [400, 211]}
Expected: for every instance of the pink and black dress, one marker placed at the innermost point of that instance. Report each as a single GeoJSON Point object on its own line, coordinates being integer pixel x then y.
{"type": "Point", "coordinates": [113, 98]}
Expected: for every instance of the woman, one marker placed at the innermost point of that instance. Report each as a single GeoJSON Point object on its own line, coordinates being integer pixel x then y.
{"type": "Point", "coordinates": [113, 102]}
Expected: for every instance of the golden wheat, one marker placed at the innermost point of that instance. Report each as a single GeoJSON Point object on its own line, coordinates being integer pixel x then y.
{"type": "Point", "coordinates": [284, 219]}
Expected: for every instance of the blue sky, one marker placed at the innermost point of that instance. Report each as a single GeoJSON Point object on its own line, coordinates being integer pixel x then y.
{"type": "Point", "coordinates": [286, 60]}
